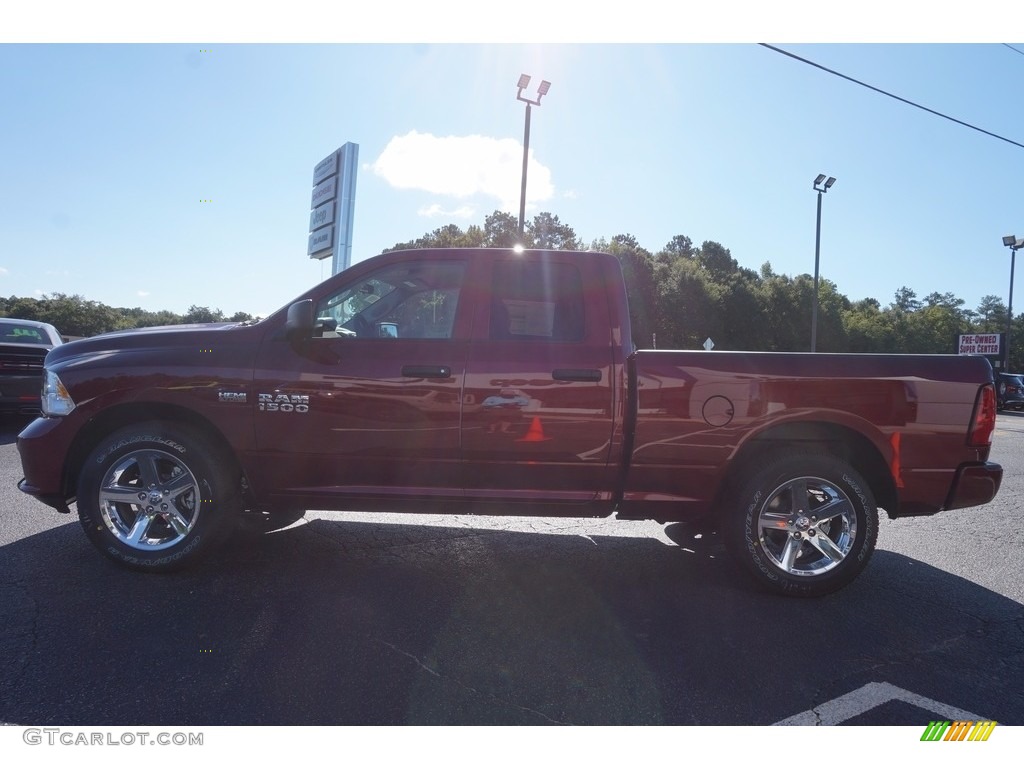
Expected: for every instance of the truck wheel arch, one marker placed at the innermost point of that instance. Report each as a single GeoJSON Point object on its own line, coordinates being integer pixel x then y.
{"type": "Point", "coordinates": [822, 437]}
{"type": "Point", "coordinates": [118, 417]}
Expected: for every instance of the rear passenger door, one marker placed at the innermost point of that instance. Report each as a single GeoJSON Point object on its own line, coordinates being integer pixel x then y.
{"type": "Point", "coordinates": [537, 405]}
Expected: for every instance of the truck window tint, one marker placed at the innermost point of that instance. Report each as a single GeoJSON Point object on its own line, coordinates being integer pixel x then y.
{"type": "Point", "coordinates": [22, 334]}
{"type": "Point", "coordinates": [537, 300]}
{"type": "Point", "coordinates": [412, 300]}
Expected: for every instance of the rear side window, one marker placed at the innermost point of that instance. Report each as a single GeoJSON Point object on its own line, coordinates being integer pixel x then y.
{"type": "Point", "coordinates": [537, 300]}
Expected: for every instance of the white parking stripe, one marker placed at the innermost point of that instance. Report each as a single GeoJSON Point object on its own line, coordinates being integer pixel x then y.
{"type": "Point", "coordinates": [868, 697]}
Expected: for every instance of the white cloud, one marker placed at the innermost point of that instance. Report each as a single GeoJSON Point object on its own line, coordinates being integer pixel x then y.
{"type": "Point", "coordinates": [142, 294]}
{"type": "Point", "coordinates": [462, 166]}
{"type": "Point", "coordinates": [435, 210]}
{"type": "Point", "coordinates": [3, 271]}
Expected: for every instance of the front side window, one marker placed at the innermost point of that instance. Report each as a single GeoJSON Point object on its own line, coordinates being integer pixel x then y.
{"type": "Point", "coordinates": [411, 300]}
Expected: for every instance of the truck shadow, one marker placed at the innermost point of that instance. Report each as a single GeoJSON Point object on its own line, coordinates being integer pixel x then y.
{"type": "Point", "coordinates": [335, 621]}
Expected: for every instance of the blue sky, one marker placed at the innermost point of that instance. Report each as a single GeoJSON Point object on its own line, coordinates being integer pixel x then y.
{"type": "Point", "coordinates": [108, 151]}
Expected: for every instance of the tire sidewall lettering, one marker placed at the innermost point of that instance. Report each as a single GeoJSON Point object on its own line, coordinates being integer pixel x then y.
{"type": "Point", "coordinates": [217, 495]}
{"type": "Point", "coordinates": [133, 441]}
{"type": "Point", "coordinates": [743, 534]}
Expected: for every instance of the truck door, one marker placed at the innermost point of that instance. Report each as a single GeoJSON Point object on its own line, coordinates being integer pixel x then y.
{"type": "Point", "coordinates": [370, 406]}
{"type": "Point", "coordinates": [537, 405]}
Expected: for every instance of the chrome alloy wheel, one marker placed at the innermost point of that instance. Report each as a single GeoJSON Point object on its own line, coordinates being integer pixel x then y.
{"type": "Point", "coordinates": [807, 526]}
{"type": "Point", "coordinates": [149, 500]}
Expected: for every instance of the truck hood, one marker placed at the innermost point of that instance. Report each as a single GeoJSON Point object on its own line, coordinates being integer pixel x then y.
{"type": "Point", "coordinates": [196, 334]}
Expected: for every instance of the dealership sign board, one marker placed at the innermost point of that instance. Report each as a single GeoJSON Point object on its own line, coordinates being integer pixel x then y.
{"type": "Point", "coordinates": [332, 205]}
{"type": "Point", "coordinates": [326, 167]}
{"type": "Point", "coordinates": [979, 344]}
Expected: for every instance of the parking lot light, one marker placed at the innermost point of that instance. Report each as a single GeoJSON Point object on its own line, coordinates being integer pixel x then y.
{"type": "Point", "coordinates": [817, 253]}
{"type": "Point", "coordinates": [542, 89]}
{"type": "Point", "coordinates": [1014, 245]}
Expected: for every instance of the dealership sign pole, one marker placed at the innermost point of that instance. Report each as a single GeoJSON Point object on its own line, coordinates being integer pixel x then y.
{"type": "Point", "coordinates": [333, 205]}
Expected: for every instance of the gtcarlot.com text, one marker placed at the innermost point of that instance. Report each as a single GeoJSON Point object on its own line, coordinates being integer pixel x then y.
{"type": "Point", "coordinates": [70, 738]}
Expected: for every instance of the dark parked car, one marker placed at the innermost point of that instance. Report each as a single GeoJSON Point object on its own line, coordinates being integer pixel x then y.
{"type": "Point", "coordinates": [23, 346]}
{"type": "Point", "coordinates": [1009, 391]}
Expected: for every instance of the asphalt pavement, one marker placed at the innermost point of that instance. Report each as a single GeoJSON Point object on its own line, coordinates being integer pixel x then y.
{"type": "Point", "coordinates": [356, 618]}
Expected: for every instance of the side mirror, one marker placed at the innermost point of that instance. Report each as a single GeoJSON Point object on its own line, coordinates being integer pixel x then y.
{"type": "Point", "coordinates": [299, 325]}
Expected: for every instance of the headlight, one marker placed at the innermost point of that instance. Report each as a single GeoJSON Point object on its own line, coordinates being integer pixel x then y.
{"type": "Point", "coordinates": [56, 400]}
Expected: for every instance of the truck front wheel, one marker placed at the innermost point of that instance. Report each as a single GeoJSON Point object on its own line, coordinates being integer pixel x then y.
{"type": "Point", "coordinates": [803, 525]}
{"type": "Point", "coordinates": [154, 496]}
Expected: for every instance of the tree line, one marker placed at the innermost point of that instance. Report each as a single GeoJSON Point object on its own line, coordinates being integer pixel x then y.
{"type": "Point", "coordinates": [683, 294]}
{"type": "Point", "coordinates": [679, 296]}
{"type": "Point", "coordinates": [75, 316]}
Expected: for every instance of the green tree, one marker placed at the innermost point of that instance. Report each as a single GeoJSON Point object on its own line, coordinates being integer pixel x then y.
{"type": "Point", "coordinates": [76, 316]}
{"type": "Point", "coordinates": [679, 247]}
{"type": "Point", "coordinates": [546, 231]}
{"type": "Point", "coordinates": [716, 259]}
{"type": "Point", "coordinates": [906, 300]}
{"type": "Point", "coordinates": [202, 315]}
{"type": "Point", "coordinates": [991, 315]}
{"type": "Point", "coordinates": [448, 236]}
{"type": "Point", "coordinates": [638, 272]}
{"type": "Point", "coordinates": [868, 328]}
{"type": "Point", "coordinates": [687, 306]}
{"type": "Point", "coordinates": [22, 308]}
{"type": "Point", "coordinates": [136, 317]}
{"type": "Point", "coordinates": [501, 230]}
{"type": "Point", "coordinates": [686, 294]}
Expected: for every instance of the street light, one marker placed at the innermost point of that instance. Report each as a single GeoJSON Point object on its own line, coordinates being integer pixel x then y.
{"type": "Point", "coordinates": [542, 89]}
{"type": "Point", "coordinates": [1014, 245]}
{"type": "Point", "coordinates": [817, 253]}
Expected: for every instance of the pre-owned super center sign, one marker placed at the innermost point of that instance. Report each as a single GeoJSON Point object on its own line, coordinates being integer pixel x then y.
{"type": "Point", "coordinates": [979, 344]}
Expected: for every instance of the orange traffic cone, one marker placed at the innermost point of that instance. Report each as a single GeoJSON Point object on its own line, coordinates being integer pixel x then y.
{"type": "Point", "coordinates": [535, 434]}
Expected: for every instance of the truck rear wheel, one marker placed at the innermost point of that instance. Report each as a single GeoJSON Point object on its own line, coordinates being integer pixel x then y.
{"type": "Point", "coordinates": [804, 525]}
{"type": "Point", "coordinates": [154, 496]}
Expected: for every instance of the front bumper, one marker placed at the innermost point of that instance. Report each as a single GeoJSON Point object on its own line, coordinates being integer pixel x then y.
{"type": "Point", "coordinates": [57, 502]}
{"type": "Point", "coordinates": [43, 446]}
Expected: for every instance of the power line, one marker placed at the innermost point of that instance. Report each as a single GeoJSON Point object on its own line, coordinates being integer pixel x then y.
{"type": "Point", "coordinates": [1018, 50]}
{"type": "Point", "coordinates": [893, 95]}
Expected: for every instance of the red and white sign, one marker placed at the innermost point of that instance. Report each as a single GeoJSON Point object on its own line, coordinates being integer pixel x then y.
{"type": "Point", "coordinates": [978, 344]}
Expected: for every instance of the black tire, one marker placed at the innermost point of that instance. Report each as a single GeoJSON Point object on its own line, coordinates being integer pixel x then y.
{"type": "Point", "coordinates": [154, 496]}
{"type": "Point", "coordinates": [790, 547]}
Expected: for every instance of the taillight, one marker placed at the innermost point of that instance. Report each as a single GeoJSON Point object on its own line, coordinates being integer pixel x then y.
{"type": "Point", "coordinates": [983, 422]}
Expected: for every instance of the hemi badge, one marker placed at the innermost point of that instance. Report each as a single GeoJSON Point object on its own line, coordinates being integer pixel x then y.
{"type": "Point", "coordinates": [231, 397]}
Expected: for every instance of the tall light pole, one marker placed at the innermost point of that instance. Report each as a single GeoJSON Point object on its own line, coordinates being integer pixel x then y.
{"type": "Point", "coordinates": [542, 89]}
{"type": "Point", "coordinates": [1014, 245]}
{"type": "Point", "coordinates": [817, 254]}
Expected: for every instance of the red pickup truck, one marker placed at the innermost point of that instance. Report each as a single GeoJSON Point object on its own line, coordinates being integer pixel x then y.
{"type": "Point", "coordinates": [497, 381]}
